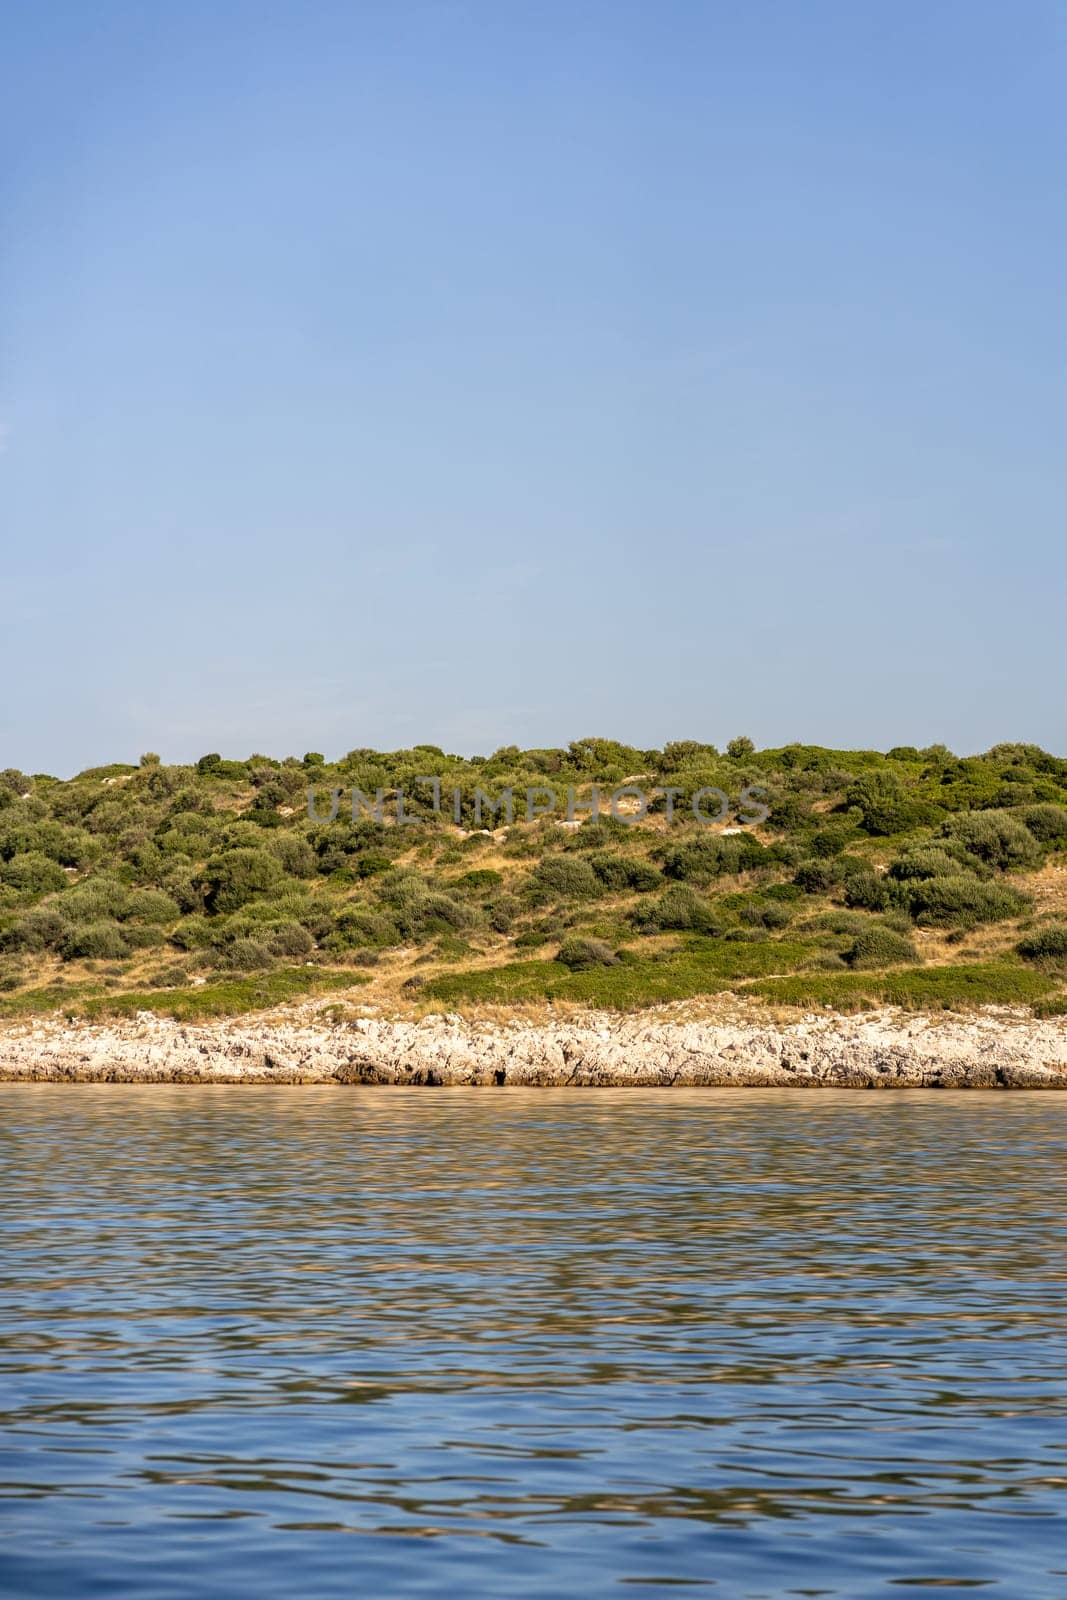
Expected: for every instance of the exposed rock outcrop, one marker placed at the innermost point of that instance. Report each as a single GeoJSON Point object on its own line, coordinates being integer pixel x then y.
{"type": "Point", "coordinates": [994, 1049]}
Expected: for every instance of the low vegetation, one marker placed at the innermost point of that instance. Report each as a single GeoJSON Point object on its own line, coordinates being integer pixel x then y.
{"type": "Point", "coordinates": [913, 877]}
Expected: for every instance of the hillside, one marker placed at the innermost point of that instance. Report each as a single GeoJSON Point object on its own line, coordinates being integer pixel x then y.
{"type": "Point", "coordinates": [915, 877]}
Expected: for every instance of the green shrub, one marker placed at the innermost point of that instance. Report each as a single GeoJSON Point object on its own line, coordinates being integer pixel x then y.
{"type": "Point", "coordinates": [152, 906]}
{"type": "Point", "coordinates": [624, 872]}
{"type": "Point", "coordinates": [771, 914]}
{"type": "Point", "coordinates": [927, 861]}
{"type": "Point", "coordinates": [880, 947]}
{"type": "Point", "coordinates": [371, 863]}
{"type": "Point", "coordinates": [33, 873]}
{"type": "Point", "coordinates": [712, 856]}
{"type": "Point", "coordinates": [246, 955]}
{"type": "Point", "coordinates": [1047, 823]}
{"type": "Point", "coordinates": [502, 912]}
{"type": "Point", "coordinates": [183, 886]}
{"type": "Point", "coordinates": [565, 878]}
{"type": "Point", "coordinates": [885, 807]}
{"type": "Point", "coordinates": [995, 837]}
{"type": "Point", "coordinates": [70, 847]}
{"type": "Point", "coordinates": [1045, 944]}
{"type": "Point", "coordinates": [831, 841]}
{"type": "Point", "coordinates": [867, 890]}
{"type": "Point", "coordinates": [436, 913]}
{"type": "Point", "coordinates": [139, 840]}
{"type": "Point", "coordinates": [817, 876]}
{"type": "Point", "coordinates": [294, 852]}
{"type": "Point", "coordinates": [192, 933]}
{"type": "Point", "coordinates": [94, 941]}
{"type": "Point", "coordinates": [358, 925]}
{"type": "Point", "coordinates": [99, 898]}
{"type": "Point", "coordinates": [43, 928]}
{"type": "Point", "coordinates": [678, 907]}
{"type": "Point", "coordinates": [291, 939]}
{"type": "Point", "coordinates": [962, 901]}
{"type": "Point", "coordinates": [612, 870]}
{"type": "Point", "coordinates": [579, 953]}
{"type": "Point", "coordinates": [480, 880]}
{"type": "Point", "coordinates": [235, 877]}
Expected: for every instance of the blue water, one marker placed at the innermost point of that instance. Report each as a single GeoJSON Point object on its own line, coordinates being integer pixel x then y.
{"type": "Point", "coordinates": [358, 1342]}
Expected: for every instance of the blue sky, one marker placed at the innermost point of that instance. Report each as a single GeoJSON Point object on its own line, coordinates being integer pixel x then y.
{"type": "Point", "coordinates": [480, 373]}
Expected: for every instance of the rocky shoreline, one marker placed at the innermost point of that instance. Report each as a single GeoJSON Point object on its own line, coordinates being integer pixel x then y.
{"type": "Point", "coordinates": [993, 1049]}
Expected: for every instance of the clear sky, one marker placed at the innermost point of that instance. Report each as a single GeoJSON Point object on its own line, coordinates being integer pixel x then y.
{"type": "Point", "coordinates": [489, 373]}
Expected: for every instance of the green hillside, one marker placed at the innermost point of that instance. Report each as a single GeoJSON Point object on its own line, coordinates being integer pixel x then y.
{"type": "Point", "coordinates": [914, 877]}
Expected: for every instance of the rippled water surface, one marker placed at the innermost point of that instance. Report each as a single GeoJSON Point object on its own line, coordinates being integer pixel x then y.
{"type": "Point", "coordinates": [315, 1342]}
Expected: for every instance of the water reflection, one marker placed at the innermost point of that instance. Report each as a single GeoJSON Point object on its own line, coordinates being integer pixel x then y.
{"type": "Point", "coordinates": [269, 1342]}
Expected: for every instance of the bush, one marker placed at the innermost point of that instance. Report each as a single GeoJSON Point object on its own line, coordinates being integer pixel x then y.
{"type": "Point", "coordinates": [1046, 944]}
{"type": "Point", "coordinates": [926, 861]}
{"type": "Point", "coordinates": [713, 856]}
{"type": "Point", "coordinates": [879, 946]}
{"type": "Point", "coordinates": [612, 870]}
{"type": "Point", "coordinates": [480, 880]}
{"type": "Point", "coordinates": [94, 941]}
{"type": "Point", "coordinates": [961, 901]}
{"type": "Point", "coordinates": [71, 847]}
{"type": "Point", "coordinates": [184, 888]}
{"type": "Point", "coordinates": [867, 890]}
{"type": "Point", "coordinates": [192, 933]}
{"type": "Point", "coordinates": [885, 807]}
{"type": "Point", "coordinates": [359, 925]}
{"type": "Point", "coordinates": [770, 914]}
{"type": "Point", "coordinates": [502, 910]}
{"type": "Point", "coordinates": [816, 876]}
{"type": "Point", "coordinates": [236, 877]}
{"type": "Point", "coordinates": [97, 899]}
{"type": "Point", "coordinates": [621, 872]}
{"type": "Point", "coordinates": [31, 872]}
{"type": "Point", "coordinates": [44, 928]}
{"type": "Point", "coordinates": [995, 837]}
{"type": "Point", "coordinates": [246, 955]}
{"type": "Point", "coordinates": [679, 907]}
{"type": "Point", "coordinates": [565, 878]}
{"type": "Point", "coordinates": [294, 852]}
{"type": "Point", "coordinates": [439, 913]}
{"type": "Point", "coordinates": [831, 841]}
{"type": "Point", "coordinates": [291, 939]}
{"type": "Point", "coordinates": [580, 953]}
{"type": "Point", "coordinates": [740, 747]}
{"type": "Point", "coordinates": [1047, 823]}
{"type": "Point", "coordinates": [371, 863]}
{"type": "Point", "coordinates": [152, 906]}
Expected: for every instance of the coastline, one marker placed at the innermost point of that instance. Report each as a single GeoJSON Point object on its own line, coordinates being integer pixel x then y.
{"type": "Point", "coordinates": [667, 1046]}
